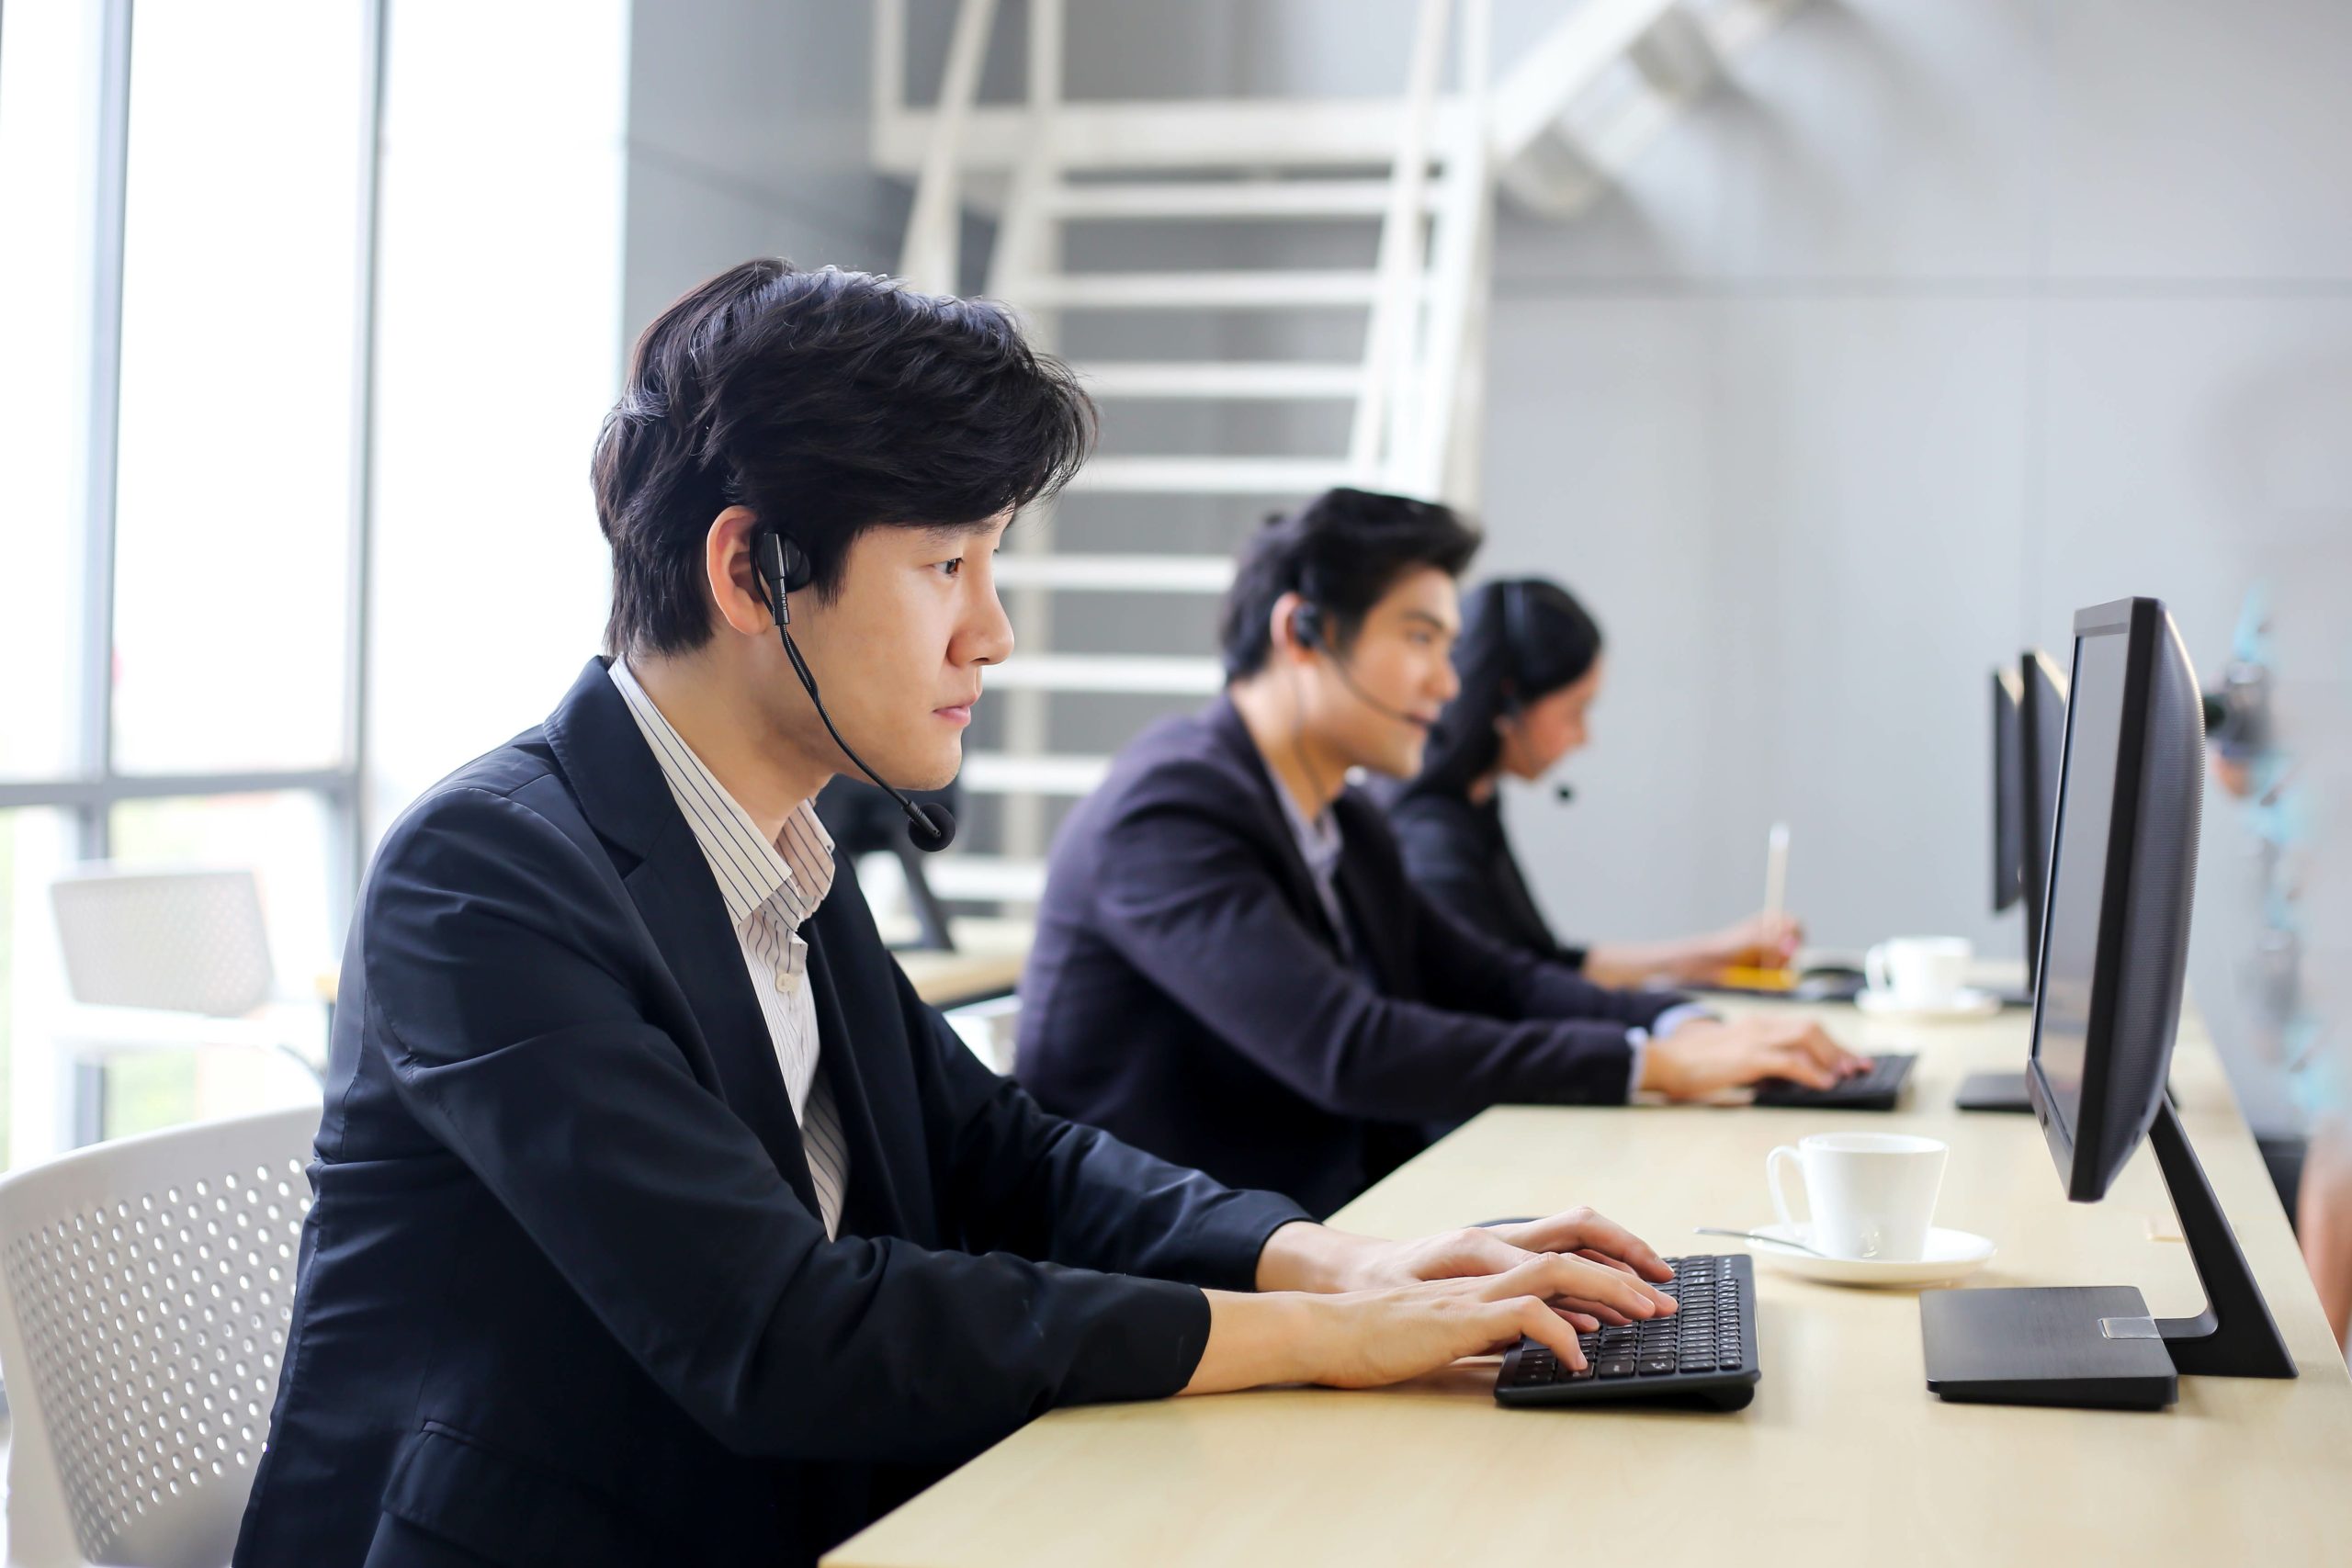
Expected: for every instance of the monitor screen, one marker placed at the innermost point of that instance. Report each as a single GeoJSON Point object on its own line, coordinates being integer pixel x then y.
{"type": "Point", "coordinates": [2078, 870]}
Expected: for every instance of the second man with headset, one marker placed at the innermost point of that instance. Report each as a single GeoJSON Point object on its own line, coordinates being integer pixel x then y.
{"type": "Point", "coordinates": [1232, 968]}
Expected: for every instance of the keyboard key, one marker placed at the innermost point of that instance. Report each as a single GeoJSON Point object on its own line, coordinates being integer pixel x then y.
{"type": "Point", "coordinates": [1622, 1366]}
{"type": "Point", "coordinates": [1652, 1365]}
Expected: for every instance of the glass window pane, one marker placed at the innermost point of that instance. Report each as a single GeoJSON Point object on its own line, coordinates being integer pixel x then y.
{"type": "Point", "coordinates": [240, 294]}
{"type": "Point", "coordinates": [35, 847]}
{"type": "Point", "coordinates": [48, 119]}
{"type": "Point", "coordinates": [286, 839]}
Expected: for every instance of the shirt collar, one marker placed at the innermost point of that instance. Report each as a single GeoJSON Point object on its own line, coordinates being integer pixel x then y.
{"type": "Point", "coordinates": [1318, 842]}
{"type": "Point", "coordinates": [796, 872]}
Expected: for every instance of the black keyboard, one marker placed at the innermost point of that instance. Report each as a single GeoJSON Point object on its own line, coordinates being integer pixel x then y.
{"type": "Point", "coordinates": [1876, 1090]}
{"type": "Point", "coordinates": [1704, 1352]}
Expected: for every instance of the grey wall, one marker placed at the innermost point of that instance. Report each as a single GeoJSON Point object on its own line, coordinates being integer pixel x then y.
{"type": "Point", "coordinates": [1947, 317]}
{"type": "Point", "coordinates": [747, 137]}
{"type": "Point", "coordinates": [1950, 319]}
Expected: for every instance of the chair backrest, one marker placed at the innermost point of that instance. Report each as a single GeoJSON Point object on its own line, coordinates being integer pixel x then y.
{"type": "Point", "coordinates": [187, 940]}
{"type": "Point", "coordinates": [145, 1287]}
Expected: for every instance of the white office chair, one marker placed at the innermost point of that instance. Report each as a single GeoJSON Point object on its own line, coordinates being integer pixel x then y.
{"type": "Point", "coordinates": [146, 1286]}
{"type": "Point", "coordinates": [166, 959]}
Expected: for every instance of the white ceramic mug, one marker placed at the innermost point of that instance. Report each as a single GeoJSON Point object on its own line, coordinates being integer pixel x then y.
{"type": "Point", "coordinates": [1919, 971]}
{"type": "Point", "coordinates": [1869, 1195]}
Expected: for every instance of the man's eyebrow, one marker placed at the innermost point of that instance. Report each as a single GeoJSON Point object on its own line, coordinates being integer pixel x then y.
{"type": "Point", "coordinates": [1430, 620]}
{"type": "Point", "coordinates": [947, 536]}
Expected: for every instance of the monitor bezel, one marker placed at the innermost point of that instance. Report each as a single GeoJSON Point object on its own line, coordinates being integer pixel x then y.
{"type": "Point", "coordinates": [2039, 678]}
{"type": "Point", "coordinates": [2080, 1151]}
{"type": "Point", "coordinates": [2010, 773]}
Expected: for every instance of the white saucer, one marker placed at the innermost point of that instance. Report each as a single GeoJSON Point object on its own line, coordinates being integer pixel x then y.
{"type": "Point", "coordinates": [1951, 1255]}
{"type": "Point", "coordinates": [1966, 1002]}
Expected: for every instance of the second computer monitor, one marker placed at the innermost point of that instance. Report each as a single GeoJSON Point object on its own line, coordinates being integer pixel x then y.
{"type": "Point", "coordinates": [2042, 737]}
{"type": "Point", "coordinates": [2122, 876]}
{"type": "Point", "coordinates": [2008, 789]}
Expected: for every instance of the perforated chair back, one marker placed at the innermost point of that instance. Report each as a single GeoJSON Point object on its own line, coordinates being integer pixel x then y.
{"type": "Point", "coordinates": [145, 1287]}
{"type": "Point", "coordinates": [185, 940]}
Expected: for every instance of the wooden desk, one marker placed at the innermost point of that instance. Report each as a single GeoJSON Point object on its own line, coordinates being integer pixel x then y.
{"type": "Point", "coordinates": [1844, 1457]}
{"type": "Point", "coordinates": [986, 963]}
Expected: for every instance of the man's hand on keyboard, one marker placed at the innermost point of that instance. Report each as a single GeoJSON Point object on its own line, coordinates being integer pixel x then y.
{"type": "Point", "coordinates": [1707, 1056]}
{"type": "Point", "coordinates": [1316, 1257]}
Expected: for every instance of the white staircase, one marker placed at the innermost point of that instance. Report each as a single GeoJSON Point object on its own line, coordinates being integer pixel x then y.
{"type": "Point", "coordinates": [1406, 186]}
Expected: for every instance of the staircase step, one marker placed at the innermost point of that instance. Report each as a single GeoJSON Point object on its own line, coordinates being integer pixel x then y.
{"type": "Point", "coordinates": [1108, 672]}
{"type": "Point", "coordinates": [1264, 378]}
{"type": "Point", "coordinates": [1223, 198]}
{"type": "Point", "coordinates": [985, 878]}
{"type": "Point", "coordinates": [1196, 291]}
{"type": "Point", "coordinates": [998, 773]}
{"type": "Point", "coordinates": [1129, 573]}
{"type": "Point", "coordinates": [1213, 475]}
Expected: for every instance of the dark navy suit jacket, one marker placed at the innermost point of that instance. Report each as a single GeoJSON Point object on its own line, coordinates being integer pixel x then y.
{"type": "Point", "coordinates": [1187, 991]}
{"type": "Point", "coordinates": [563, 1294]}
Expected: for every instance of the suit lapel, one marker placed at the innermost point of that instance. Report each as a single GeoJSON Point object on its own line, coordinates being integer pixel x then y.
{"type": "Point", "coordinates": [675, 894]}
{"type": "Point", "coordinates": [1225, 725]}
{"type": "Point", "coordinates": [619, 785]}
{"type": "Point", "coordinates": [872, 1087]}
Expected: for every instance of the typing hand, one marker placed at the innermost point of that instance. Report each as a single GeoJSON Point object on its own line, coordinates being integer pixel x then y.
{"type": "Point", "coordinates": [1706, 1055]}
{"type": "Point", "coordinates": [1372, 1337]}
{"type": "Point", "coordinates": [1498, 1249]}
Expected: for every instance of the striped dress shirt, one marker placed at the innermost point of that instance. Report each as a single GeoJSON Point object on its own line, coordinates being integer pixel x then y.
{"type": "Point", "coordinates": [771, 889]}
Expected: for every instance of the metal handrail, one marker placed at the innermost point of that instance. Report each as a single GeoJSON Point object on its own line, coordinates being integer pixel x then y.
{"type": "Point", "coordinates": [933, 259]}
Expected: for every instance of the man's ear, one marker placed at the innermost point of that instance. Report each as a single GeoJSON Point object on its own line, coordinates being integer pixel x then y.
{"type": "Point", "coordinates": [735, 588]}
{"type": "Point", "coordinates": [1281, 628]}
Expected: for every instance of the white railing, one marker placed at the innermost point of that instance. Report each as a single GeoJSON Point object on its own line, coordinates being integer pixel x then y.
{"type": "Point", "coordinates": [933, 259]}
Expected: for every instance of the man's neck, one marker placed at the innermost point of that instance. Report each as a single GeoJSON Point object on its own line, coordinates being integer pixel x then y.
{"type": "Point", "coordinates": [716, 722]}
{"type": "Point", "coordinates": [1304, 766]}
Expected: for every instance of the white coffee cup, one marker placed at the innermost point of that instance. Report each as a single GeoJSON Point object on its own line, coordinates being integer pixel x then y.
{"type": "Point", "coordinates": [1869, 1195]}
{"type": "Point", "coordinates": [1919, 970]}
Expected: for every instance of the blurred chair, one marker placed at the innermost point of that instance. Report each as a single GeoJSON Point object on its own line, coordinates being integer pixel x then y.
{"type": "Point", "coordinates": [145, 1287]}
{"type": "Point", "coordinates": [167, 961]}
{"type": "Point", "coordinates": [862, 821]}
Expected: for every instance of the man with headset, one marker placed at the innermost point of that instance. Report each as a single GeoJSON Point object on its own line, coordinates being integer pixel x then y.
{"type": "Point", "coordinates": [1232, 969]}
{"type": "Point", "coordinates": [657, 1219]}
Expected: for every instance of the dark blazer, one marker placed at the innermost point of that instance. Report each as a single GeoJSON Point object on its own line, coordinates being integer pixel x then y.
{"type": "Point", "coordinates": [1187, 991]}
{"type": "Point", "coordinates": [1459, 856]}
{"type": "Point", "coordinates": [563, 1295]}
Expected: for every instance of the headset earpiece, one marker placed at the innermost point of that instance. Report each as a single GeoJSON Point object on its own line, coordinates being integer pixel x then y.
{"type": "Point", "coordinates": [783, 568]}
{"type": "Point", "coordinates": [1307, 625]}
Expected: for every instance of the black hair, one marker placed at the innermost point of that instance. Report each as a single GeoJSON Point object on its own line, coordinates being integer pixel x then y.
{"type": "Point", "coordinates": [1522, 639]}
{"type": "Point", "coordinates": [1340, 552]}
{"type": "Point", "coordinates": [829, 402]}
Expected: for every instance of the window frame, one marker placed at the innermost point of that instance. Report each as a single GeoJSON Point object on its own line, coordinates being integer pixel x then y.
{"type": "Point", "coordinates": [96, 785]}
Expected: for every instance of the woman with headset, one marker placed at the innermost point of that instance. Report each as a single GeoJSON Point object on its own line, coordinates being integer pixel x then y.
{"type": "Point", "coordinates": [1529, 661]}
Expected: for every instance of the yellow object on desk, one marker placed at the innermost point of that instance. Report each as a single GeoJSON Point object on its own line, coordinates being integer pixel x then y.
{"type": "Point", "coordinates": [1742, 978]}
{"type": "Point", "coordinates": [1845, 1458]}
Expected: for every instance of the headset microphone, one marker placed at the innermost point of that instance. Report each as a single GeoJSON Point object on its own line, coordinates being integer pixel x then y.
{"type": "Point", "coordinates": [1564, 794]}
{"type": "Point", "coordinates": [781, 567]}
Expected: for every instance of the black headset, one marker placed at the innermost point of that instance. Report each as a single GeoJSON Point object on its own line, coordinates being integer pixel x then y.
{"type": "Point", "coordinates": [783, 568]}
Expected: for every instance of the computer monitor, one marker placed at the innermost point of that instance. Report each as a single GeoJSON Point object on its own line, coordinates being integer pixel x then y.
{"type": "Point", "coordinates": [2041, 734]}
{"type": "Point", "coordinates": [2114, 954]}
{"type": "Point", "coordinates": [2008, 789]}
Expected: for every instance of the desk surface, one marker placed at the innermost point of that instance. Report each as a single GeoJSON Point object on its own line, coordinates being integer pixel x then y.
{"type": "Point", "coordinates": [986, 963]}
{"type": "Point", "coordinates": [1843, 1458]}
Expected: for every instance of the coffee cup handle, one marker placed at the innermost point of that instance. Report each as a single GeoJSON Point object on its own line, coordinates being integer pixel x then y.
{"type": "Point", "coordinates": [1874, 969]}
{"type": "Point", "coordinates": [1772, 1179]}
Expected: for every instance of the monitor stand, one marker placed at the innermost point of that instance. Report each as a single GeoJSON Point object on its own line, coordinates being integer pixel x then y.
{"type": "Point", "coordinates": [2097, 1347]}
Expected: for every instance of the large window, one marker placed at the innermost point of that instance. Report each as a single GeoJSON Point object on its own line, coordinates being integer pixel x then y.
{"type": "Point", "coordinates": [187, 192]}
